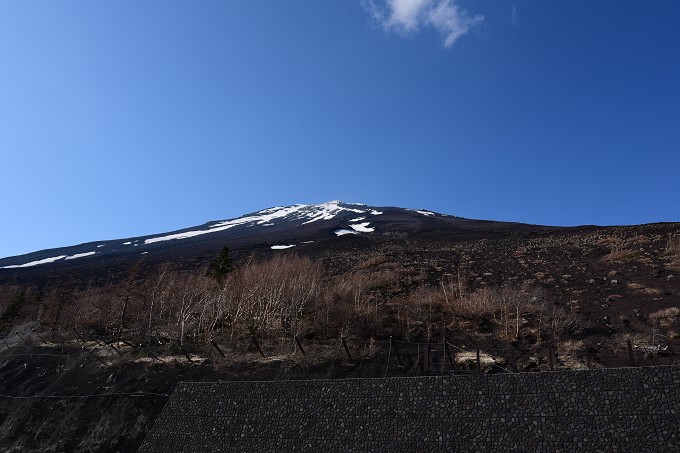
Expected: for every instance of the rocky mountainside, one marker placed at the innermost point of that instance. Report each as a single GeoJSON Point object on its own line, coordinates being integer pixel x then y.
{"type": "Point", "coordinates": [307, 228]}
{"type": "Point", "coordinates": [95, 336]}
{"type": "Point", "coordinates": [614, 277]}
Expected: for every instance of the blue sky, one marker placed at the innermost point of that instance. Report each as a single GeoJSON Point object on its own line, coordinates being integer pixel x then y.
{"type": "Point", "coordinates": [130, 117]}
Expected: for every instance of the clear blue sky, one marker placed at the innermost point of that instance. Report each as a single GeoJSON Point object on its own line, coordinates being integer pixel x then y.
{"type": "Point", "coordinates": [124, 118]}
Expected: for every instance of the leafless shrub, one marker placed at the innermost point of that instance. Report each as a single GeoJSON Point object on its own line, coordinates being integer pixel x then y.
{"type": "Point", "coordinates": [478, 304]}
{"type": "Point", "coordinates": [562, 323]}
{"type": "Point", "coordinates": [507, 312]}
{"type": "Point", "coordinates": [455, 286]}
{"type": "Point", "coordinates": [348, 304]}
{"type": "Point", "coordinates": [516, 306]}
{"type": "Point", "coordinates": [287, 295]}
{"type": "Point", "coordinates": [421, 312]}
{"type": "Point", "coordinates": [272, 295]}
{"type": "Point", "coordinates": [92, 309]}
{"type": "Point", "coordinates": [507, 308]}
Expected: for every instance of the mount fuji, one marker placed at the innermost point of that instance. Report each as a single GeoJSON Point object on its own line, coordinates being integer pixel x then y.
{"type": "Point", "coordinates": [301, 226]}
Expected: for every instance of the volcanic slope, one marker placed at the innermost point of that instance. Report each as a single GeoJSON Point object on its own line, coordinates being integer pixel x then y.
{"type": "Point", "coordinates": [93, 341]}
{"type": "Point", "coordinates": [304, 228]}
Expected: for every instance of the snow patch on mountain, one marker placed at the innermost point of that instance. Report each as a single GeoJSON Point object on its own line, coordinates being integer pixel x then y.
{"type": "Point", "coordinates": [345, 218]}
{"type": "Point", "coordinates": [343, 232]}
{"type": "Point", "coordinates": [35, 263]}
{"type": "Point", "coordinates": [299, 212]}
{"type": "Point", "coordinates": [49, 260]}
{"type": "Point", "coordinates": [266, 217]}
{"type": "Point", "coordinates": [80, 255]}
{"type": "Point", "coordinates": [327, 211]}
{"type": "Point", "coordinates": [363, 227]}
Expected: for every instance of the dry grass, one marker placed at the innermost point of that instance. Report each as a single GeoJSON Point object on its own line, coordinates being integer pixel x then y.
{"type": "Point", "coordinates": [638, 240]}
{"type": "Point", "coordinates": [666, 316]}
{"type": "Point", "coordinates": [612, 240]}
{"type": "Point", "coordinates": [571, 354]}
{"type": "Point", "coordinates": [637, 287]}
{"type": "Point", "coordinates": [371, 262]}
{"type": "Point", "coordinates": [508, 313]}
{"type": "Point", "coordinates": [673, 245]}
{"type": "Point", "coordinates": [288, 295]}
{"type": "Point", "coordinates": [675, 265]}
{"type": "Point", "coordinates": [621, 252]}
{"type": "Point", "coordinates": [468, 359]}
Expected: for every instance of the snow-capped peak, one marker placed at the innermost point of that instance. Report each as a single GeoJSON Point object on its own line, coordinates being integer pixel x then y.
{"type": "Point", "coordinates": [275, 223]}
{"type": "Point", "coordinates": [302, 213]}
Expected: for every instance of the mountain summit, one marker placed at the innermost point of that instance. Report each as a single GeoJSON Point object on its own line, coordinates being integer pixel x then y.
{"type": "Point", "coordinates": [274, 228]}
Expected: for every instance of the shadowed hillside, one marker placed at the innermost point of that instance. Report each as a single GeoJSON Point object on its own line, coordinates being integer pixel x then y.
{"type": "Point", "coordinates": [102, 343]}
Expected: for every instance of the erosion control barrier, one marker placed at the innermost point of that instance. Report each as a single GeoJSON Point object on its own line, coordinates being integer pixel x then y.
{"type": "Point", "coordinates": [625, 409]}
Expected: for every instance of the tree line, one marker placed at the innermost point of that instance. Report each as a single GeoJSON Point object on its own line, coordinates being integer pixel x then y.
{"type": "Point", "coordinates": [287, 296]}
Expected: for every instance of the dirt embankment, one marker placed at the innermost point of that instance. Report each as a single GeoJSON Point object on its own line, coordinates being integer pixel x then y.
{"type": "Point", "coordinates": [66, 398]}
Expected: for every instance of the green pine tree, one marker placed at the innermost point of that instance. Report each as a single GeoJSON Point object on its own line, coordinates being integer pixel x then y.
{"type": "Point", "coordinates": [220, 266]}
{"type": "Point", "coordinates": [13, 310]}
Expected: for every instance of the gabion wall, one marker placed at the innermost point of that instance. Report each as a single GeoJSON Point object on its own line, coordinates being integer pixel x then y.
{"type": "Point", "coordinates": [633, 409]}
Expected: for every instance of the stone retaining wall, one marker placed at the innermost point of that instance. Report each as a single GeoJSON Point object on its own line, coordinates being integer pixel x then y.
{"type": "Point", "coordinates": [631, 409]}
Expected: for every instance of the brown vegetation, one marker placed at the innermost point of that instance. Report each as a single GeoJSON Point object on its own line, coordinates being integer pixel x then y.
{"type": "Point", "coordinates": [673, 245]}
{"type": "Point", "coordinates": [287, 296]}
{"type": "Point", "coordinates": [621, 251]}
{"type": "Point", "coordinates": [666, 316]}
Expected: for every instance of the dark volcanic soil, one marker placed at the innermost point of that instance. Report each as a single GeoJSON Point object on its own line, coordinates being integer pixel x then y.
{"type": "Point", "coordinates": [65, 394]}
{"type": "Point", "coordinates": [86, 396]}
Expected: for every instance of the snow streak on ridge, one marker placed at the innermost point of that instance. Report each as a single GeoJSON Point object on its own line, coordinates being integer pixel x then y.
{"type": "Point", "coordinates": [49, 260]}
{"type": "Point", "coordinates": [296, 215]}
{"type": "Point", "coordinates": [299, 212]}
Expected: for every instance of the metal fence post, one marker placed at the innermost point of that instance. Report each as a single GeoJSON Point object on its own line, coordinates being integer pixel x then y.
{"type": "Point", "coordinates": [347, 350]}
{"type": "Point", "coordinates": [257, 345]}
{"type": "Point", "coordinates": [426, 359]}
{"type": "Point", "coordinates": [299, 345]}
{"type": "Point", "coordinates": [212, 342]}
{"type": "Point", "coordinates": [396, 352]}
{"type": "Point", "coordinates": [447, 352]}
{"type": "Point", "coordinates": [630, 353]}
